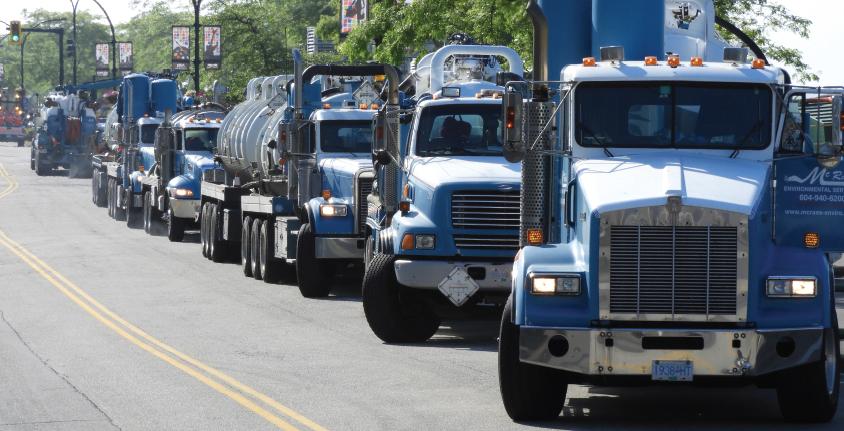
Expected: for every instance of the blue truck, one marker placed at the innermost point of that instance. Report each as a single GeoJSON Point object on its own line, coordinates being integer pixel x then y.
{"type": "Point", "coordinates": [677, 214]}
{"type": "Point", "coordinates": [295, 170]}
{"type": "Point", "coordinates": [65, 135]}
{"type": "Point", "coordinates": [183, 149]}
{"type": "Point", "coordinates": [443, 221]}
{"type": "Point", "coordinates": [142, 104]}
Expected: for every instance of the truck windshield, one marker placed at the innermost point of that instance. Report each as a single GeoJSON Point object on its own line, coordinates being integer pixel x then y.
{"type": "Point", "coordinates": [148, 133]}
{"type": "Point", "coordinates": [345, 136]}
{"type": "Point", "coordinates": [459, 130]}
{"type": "Point", "coordinates": [200, 139]}
{"type": "Point", "coordinates": [673, 115]}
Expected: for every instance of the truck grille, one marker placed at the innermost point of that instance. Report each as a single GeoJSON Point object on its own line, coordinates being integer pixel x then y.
{"type": "Point", "coordinates": [485, 210]}
{"type": "Point", "coordinates": [361, 206]}
{"type": "Point", "coordinates": [673, 270]}
{"type": "Point", "coordinates": [487, 242]}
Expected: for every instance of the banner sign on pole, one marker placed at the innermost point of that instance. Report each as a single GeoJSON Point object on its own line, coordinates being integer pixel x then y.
{"type": "Point", "coordinates": [181, 47]}
{"type": "Point", "coordinates": [212, 46]}
{"type": "Point", "coordinates": [125, 55]}
{"type": "Point", "coordinates": [102, 59]}
{"type": "Point", "coordinates": [352, 13]}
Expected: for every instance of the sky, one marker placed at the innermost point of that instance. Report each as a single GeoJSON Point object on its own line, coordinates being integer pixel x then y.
{"type": "Point", "coordinates": [821, 51]}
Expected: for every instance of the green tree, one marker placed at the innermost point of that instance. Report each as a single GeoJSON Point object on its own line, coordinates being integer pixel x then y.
{"type": "Point", "coordinates": [399, 28]}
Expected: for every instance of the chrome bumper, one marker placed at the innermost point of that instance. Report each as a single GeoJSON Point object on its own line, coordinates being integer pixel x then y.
{"type": "Point", "coordinates": [428, 274]}
{"type": "Point", "coordinates": [185, 208]}
{"type": "Point", "coordinates": [590, 353]}
{"type": "Point", "coordinates": [337, 248]}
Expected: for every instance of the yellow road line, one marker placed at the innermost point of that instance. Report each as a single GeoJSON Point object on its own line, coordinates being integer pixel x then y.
{"type": "Point", "coordinates": [113, 322]}
{"type": "Point", "coordinates": [11, 184]}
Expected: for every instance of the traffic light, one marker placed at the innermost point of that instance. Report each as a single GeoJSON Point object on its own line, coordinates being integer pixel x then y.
{"type": "Point", "coordinates": [15, 32]}
{"type": "Point", "coordinates": [71, 47]}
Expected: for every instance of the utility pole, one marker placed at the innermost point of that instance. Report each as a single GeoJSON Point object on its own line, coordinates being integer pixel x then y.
{"type": "Point", "coordinates": [74, 3]}
{"type": "Point", "coordinates": [196, 4]}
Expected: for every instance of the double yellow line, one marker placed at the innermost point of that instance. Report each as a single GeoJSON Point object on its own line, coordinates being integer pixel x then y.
{"type": "Point", "coordinates": [253, 400]}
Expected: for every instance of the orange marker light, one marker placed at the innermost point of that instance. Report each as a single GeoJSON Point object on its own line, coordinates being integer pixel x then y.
{"type": "Point", "coordinates": [811, 239]}
{"type": "Point", "coordinates": [326, 106]}
{"type": "Point", "coordinates": [651, 61]}
{"type": "Point", "coordinates": [511, 117]}
{"type": "Point", "coordinates": [406, 191]}
{"type": "Point", "coordinates": [589, 62]}
{"type": "Point", "coordinates": [534, 236]}
{"type": "Point", "coordinates": [326, 194]}
{"type": "Point", "coordinates": [407, 242]}
{"type": "Point", "coordinates": [697, 62]}
{"type": "Point", "coordinates": [758, 63]}
{"type": "Point", "coordinates": [373, 106]}
{"type": "Point", "coordinates": [404, 206]}
{"type": "Point", "coordinates": [674, 61]}
{"type": "Point", "coordinates": [364, 106]}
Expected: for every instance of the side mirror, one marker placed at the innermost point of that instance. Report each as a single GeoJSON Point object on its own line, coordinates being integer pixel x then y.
{"type": "Point", "coordinates": [271, 145]}
{"type": "Point", "coordinates": [381, 158]}
{"type": "Point", "coordinates": [511, 134]}
{"type": "Point", "coordinates": [830, 155]}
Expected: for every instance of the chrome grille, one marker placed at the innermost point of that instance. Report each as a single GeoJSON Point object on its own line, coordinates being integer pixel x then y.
{"type": "Point", "coordinates": [485, 210]}
{"type": "Point", "coordinates": [671, 270]}
{"type": "Point", "coordinates": [487, 242]}
{"type": "Point", "coordinates": [362, 206]}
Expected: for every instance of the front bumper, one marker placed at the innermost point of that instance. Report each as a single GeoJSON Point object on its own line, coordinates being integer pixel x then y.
{"type": "Point", "coordinates": [727, 352]}
{"type": "Point", "coordinates": [428, 274]}
{"type": "Point", "coordinates": [338, 248]}
{"type": "Point", "coordinates": [185, 208]}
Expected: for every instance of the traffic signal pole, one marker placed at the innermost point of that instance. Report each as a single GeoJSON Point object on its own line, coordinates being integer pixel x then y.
{"type": "Point", "coordinates": [57, 31]}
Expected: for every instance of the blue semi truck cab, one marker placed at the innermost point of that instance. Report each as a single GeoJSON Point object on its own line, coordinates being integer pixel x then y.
{"type": "Point", "coordinates": [443, 222]}
{"type": "Point", "coordinates": [183, 150]}
{"type": "Point", "coordinates": [677, 218]}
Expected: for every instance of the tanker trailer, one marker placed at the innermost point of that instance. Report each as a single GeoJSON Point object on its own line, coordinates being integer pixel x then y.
{"type": "Point", "coordinates": [293, 185]}
{"type": "Point", "coordinates": [62, 140]}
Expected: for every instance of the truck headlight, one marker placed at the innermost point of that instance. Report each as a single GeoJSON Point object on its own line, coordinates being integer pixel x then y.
{"type": "Point", "coordinates": [425, 242]}
{"type": "Point", "coordinates": [181, 193]}
{"type": "Point", "coordinates": [792, 287]}
{"type": "Point", "coordinates": [333, 210]}
{"type": "Point", "coordinates": [568, 285]}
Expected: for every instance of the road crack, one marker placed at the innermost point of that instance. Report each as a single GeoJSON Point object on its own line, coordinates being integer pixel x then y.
{"type": "Point", "coordinates": [57, 373]}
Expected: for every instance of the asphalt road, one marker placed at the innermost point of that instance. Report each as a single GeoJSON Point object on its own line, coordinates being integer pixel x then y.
{"type": "Point", "coordinates": [103, 327]}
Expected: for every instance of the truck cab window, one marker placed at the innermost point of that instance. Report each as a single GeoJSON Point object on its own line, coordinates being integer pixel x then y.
{"type": "Point", "coordinates": [204, 139]}
{"type": "Point", "coordinates": [345, 136]}
{"type": "Point", "coordinates": [459, 130]}
{"type": "Point", "coordinates": [148, 133]}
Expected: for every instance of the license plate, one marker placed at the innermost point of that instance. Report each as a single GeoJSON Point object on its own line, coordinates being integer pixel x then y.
{"type": "Point", "coordinates": [672, 371]}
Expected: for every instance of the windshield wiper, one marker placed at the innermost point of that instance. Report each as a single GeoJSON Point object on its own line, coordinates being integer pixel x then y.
{"type": "Point", "coordinates": [746, 138]}
{"type": "Point", "coordinates": [596, 138]}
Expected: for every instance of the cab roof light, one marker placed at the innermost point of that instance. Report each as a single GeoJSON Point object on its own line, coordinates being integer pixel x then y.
{"type": "Point", "coordinates": [364, 106]}
{"type": "Point", "coordinates": [589, 62]}
{"type": "Point", "coordinates": [674, 61]}
{"type": "Point", "coordinates": [696, 62]}
{"type": "Point", "coordinates": [758, 63]}
{"type": "Point", "coordinates": [373, 106]}
{"type": "Point", "coordinates": [651, 61]}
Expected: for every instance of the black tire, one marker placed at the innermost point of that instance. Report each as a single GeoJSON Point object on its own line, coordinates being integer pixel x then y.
{"type": "Point", "coordinates": [175, 228]}
{"type": "Point", "coordinates": [32, 158]}
{"type": "Point", "coordinates": [245, 246]}
{"type": "Point", "coordinates": [310, 273]}
{"type": "Point", "coordinates": [217, 248]}
{"type": "Point", "coordinates": [271, 268]}
{"type": "Point", "coordinates": [147, 213]}
{"type": "Point", "coordinates": [254, 248]}
{"type": "Point", "coordinates": [40, 168]}
{"type": "Point", "coordinates": [110, 197]}
{"type": "Point", "coordinates": [529, 392]}
{"type": "Point", "coordinates": [95, 190]}
{"type": "Point", "coordinates": [809, 394]}
{"type": "Point", "coordinates": [119, 211]}
{"type": "Point", "coordinates": [203, 228]}
{"type": "Point", "coordinates": [100, 191]}
{"type": "Point", "coordinates": [134, 216]}
{"type": "Point", "coordinates": [391, 310]}
{"type": "Point", "coordinates": [368, 250]}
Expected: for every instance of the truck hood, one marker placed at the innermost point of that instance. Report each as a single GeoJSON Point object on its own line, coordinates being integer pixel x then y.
{"type": "Point", "coordinates": [647, 180]}
{"type": "Point", "coordinates": [440, 171]}
{"type": "Point", "coordinates": [338, 173]}
{"type": "Point", "coordinates": [201, 159]}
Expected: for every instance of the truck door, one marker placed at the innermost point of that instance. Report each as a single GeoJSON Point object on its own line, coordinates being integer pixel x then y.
{"type": "Point", "coordinates": [809, 187]}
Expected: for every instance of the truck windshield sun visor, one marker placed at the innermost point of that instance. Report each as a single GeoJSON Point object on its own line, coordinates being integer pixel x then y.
{"type": "Point", "coordinates": [459, 130]}
{"type": "Point", "coordinates": [673, 115]}
{"type": "Point", "coordinates": [345, 136]}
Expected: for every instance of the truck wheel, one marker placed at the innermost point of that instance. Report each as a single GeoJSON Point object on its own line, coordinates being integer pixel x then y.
{"type": "Point", "coordinates": [390, 310]}
{"type": "Point", "coordinates": [95, 191]}
{"type": "Point", "coordinates": [40, 168]}
{"type": "Point", "coordinates": [809, 394]}
{"type": "Point", "coordinates": [254, 249]}
{"type": "Point", "coordinates": [20, 143]}
{"type": "Point", "coordinates": [217, 248]}
{"type": "Point", "coordinates": [73, 170]}
{"type": "Point", "coordinates": [101, 190]}
{"type": "Point", "coordinates": [134, 216]}
{"type": "Point", "coordinates": [271, 268]}
{"type": "Point", "coordinates": [175, 228]}
{"type": "Point", "coordinates": [529, 392]}
{"type": "Point", "coordinates": [368, 250]}
{"type": "Point", "coordinates": [32, 158]}
{"type": "Point", "coordinates": [245, 247]}
{"type": "Point", "coordinates": [203, 228]}
{"type": "Point", "coordinates": [147, 215]}
{"type": "Point", "coordinates": [119, 197]}
{"type": "Point", "coordinates": [311, 276]}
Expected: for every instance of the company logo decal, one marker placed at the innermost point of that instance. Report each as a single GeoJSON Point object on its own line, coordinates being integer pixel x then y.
{"type": "Point", "coordinates": [685, 13]}
{"type": "Point", "coordinates": [819, 176]}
